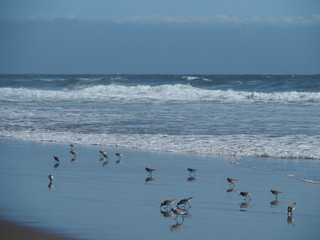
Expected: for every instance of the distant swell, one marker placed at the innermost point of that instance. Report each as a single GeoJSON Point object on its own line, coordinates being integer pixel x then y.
{"type": "Point", "coordinates": [177, 92]}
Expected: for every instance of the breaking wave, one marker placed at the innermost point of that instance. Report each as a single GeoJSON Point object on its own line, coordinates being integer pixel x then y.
{"type": "Point", "coordinates": [177, 92]}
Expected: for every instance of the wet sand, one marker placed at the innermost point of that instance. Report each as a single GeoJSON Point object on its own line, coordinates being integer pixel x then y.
{"type": "Point", "coordinates": [94, 199]}
{"type": "Point", "coordinates": [12, 231]}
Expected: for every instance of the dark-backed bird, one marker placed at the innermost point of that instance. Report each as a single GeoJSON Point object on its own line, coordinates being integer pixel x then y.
{"type": "Point", "coordinates": [179, 212]}
{"type": "Point", "coordinates": [51, 177]}
{"type": "Point", "coordinates": [275, 192]}
{"type": "Point", "coordinates": [73, 152]}
{"type": "Point", "coordinates": [102, 152]}
{"type": "Point", "coordinates": [232, 181]}
{"type": "Point", "coordinates": [150, 170]}
{"type": "Point", "coordinates": [245, 195]}
{"type": "Point", "coordinates": [167, 203]}
{"type": "Point", "coordinates": [184, 201]}
{"type": "Point", "coordinates": [56, 158]}
{"type": "Point", "coordinates": [291, 208]}
{"type": "Point", "coordinates": [192, 170]}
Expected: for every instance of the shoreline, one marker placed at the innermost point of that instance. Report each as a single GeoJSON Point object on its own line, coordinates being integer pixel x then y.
{"type": "Point", "coordinates": [93, 200]}
{"type": "Point", "coordinates": [14, 231]}
{"type": "Point", "coordinates": [241, 162]}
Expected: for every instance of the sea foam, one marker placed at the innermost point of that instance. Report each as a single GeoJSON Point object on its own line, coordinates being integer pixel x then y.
{"type": "Point", "coordinates": [223, 145]}
{"type": "Point", "coordinates": [177, 92]}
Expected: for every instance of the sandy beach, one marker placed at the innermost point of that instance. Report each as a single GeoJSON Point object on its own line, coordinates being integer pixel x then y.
{"type": "Point", "coordinates": [12, 231]}
{"type": "Point", "coordinates": [94, 199]}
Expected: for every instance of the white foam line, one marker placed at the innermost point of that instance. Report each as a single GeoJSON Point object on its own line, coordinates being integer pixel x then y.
{"type": "Point", "coordinates": [177, 92]}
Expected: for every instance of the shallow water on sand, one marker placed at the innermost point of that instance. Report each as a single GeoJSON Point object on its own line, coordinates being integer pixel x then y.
{"type": "Point", "coordinates": [92, 201]}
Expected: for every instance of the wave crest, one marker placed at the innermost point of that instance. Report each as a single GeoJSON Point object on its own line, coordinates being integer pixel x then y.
{"type": "Point", "coordinates": [177, 92]}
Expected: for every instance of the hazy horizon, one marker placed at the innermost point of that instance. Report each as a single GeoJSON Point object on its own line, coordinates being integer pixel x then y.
{"type": "Point", "coordinates": [167, 37]}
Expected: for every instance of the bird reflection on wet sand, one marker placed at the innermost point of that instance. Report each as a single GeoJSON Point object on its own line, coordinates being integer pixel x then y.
{"type": "Point", "coordinates": [105, 163]}
{"type": "Point", "coordinates": [244, 205]}
{"type": "Point", "coordinates": [191, 179]}
{"type": "Point", "coordinates": [149, 179]}
{"type": "Point", "coordinates": [51, 177]}
{"type": "Point", "coordinates": [231, 190]}
{"type": "Point", "coordinates": [166, 214]}
{"type": "Point", "coordinates": [119, 161]}
{"type": "Point", "coordinates": [177, 226]}
{"type": "Point", "coordinates": [274, 203]}
{"type": "Point", "coordinates": [50, 185]}
{"type": "Point", "coordinates": [290, 220]}
{"type": "Point", "coordinates": [56, 165]}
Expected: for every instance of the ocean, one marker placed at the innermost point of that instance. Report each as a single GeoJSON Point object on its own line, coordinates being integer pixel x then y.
{"type": "Point", "coordinates": [273, 118]}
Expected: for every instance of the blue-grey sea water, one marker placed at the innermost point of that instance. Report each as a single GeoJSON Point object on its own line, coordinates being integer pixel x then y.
{"type": "Point", "coordinates": [241, 116]}
{"type": "Point", "coordinates": [261, 130]}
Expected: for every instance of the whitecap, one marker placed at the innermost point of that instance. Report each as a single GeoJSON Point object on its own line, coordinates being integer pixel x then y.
{"type": "Point", "coordinates": [176, 92]}
{"type": "Point", "coordinates": [310, 181]}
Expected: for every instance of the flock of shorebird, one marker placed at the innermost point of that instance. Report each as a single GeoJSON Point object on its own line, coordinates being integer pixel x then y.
{"type": "Point", "coordinates": [246, 195]}
{"type": "Point", "coordinates": [183, 205]}
{"type": "Point", "coordinates": [103, 157]}
{"type": "Point", "coordinates": [178, 211]}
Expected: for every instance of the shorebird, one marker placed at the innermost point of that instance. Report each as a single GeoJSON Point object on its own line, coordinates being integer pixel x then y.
{"type": "Point", "coordinates": [275, 192]}
{"type": "Point", "coordinates": [106, 156]}
{"type": "Point", "coordinates": [232, 181]}
{"type": "Point", "coordinates": [102, 152]}
{"type": "Point", "coordinates": [150, 170]}
{"type": "Point", "coordinates": [72, 145]}
{"type": "Point", "coordinates": [291, 208]}
{"type": "Point", "coordinates": [51, 177]}
{"type": "Point", "coordinates": [119, 155]}
{"type": "Point", "coordinates": [184, 201]}
{"type": "Point", "coordinates": [179, 212]}
{"type": "Point", "coordinates": [167, 203]}
{"type": "Point", "coordinates": [245, 195]}
{"type": "Point", "coordinates": [56, 158]}
{"type": "Point", "coordinates": [73, 152]}
{"type": "Point", "coordinates": [192, 170]}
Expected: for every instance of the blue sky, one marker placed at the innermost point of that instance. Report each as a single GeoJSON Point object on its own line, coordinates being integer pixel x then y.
{"type": "Point", "coordinates": [160, 37]}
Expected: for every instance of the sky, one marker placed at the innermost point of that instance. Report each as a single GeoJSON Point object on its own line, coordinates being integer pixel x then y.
{"type": "Point", "coordinates": [160, 37]}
